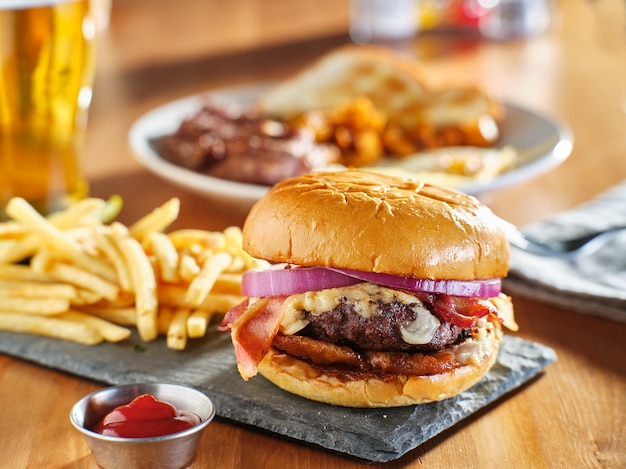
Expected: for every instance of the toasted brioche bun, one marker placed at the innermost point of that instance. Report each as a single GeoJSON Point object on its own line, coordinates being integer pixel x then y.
{"type": "Point", "coordinates": [396, 84]}
{"type": "Point", "coordinates": [303, 379]}
{"type": "Point", "coordinates": [373, 222]}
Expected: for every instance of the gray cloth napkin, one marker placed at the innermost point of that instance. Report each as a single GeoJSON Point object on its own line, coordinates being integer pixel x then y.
{"type": "Point", "coordinates": [592, 284]}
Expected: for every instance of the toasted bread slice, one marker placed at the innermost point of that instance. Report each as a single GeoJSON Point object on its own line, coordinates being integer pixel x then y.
{"type": "Point", "coordinates": [393, 83]}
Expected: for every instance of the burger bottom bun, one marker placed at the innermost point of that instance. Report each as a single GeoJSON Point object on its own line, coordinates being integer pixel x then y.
{"type": "Point", "coordinates": [311, 382]}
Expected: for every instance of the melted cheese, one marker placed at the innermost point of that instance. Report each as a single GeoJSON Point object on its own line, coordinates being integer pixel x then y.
{"type": "Point", "coordinates": [472, 351]}
{"type": "Point", "coordinates": [422, 329]}
{"type": "Point", "coordinates": [364, 297]}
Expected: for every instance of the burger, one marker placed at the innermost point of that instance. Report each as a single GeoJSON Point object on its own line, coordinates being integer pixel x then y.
{"type": "Point", "coordinates": [379, 291]}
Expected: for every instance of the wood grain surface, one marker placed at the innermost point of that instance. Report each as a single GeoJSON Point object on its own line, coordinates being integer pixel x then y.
{"type": "Point", "coordinates": [572, 415]}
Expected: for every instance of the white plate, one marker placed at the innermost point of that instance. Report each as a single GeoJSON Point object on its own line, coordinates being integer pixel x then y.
{"type": "Point", "coordinates": [541, 144]}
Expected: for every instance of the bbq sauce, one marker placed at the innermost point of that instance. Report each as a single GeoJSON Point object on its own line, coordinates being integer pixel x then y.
{"type": "Point", "coordinates": [145, 417]}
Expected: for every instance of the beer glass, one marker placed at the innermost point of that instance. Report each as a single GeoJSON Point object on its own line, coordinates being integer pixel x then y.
{"type": "Point", "coordinates": [46, 75]}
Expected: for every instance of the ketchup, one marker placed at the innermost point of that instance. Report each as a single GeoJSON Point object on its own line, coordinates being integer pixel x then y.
{"type": "Point", "coordinates": [145, 417]}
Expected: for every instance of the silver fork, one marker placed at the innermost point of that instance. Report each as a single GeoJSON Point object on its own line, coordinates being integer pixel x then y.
{"type": "Point", "coordinates": [566, 249]}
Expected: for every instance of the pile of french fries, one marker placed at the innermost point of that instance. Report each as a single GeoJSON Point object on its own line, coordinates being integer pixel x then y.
{"type": "Point", "coordinates": [80, 275]}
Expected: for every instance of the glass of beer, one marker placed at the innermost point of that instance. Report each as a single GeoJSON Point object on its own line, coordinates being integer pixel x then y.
{"type": "Point", "coordinates": [46, 75]}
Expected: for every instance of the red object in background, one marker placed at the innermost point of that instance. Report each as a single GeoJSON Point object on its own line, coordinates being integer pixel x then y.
{"type": "Point", "coordinates": [494, 19]}
{"type": "Point", "coordinates": [145, 417]}
{"type": "Point", "coordinates": [450, 14]}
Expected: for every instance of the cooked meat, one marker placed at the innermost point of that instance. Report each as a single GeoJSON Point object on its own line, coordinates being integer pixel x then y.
{"type": "Point", "coordinates": [382, 332]}
{"type": "Point", "coordinates": [239, 144]}
{"type": "Point", "coordinates": [344, 358]}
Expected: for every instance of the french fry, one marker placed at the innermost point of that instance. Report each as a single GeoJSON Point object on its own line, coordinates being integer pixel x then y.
{"type": "Point", "coordinates": [111, 251]}
{"type": "Point", "coordinates": [123, 300]}
{"type": "Point", "coordinates": [41, 262]}
{"type": "Point", "coordinates": [22, 211]}
{"type": "Point", "coordinates": [206, 239]}
{"type": "Point", "coordinates": [12, 251]}
{"type": "Point", "coordinates": [124, 316]}
{"type": "Point", "coordinates": [118, 230]}
{"type": "Point", "coordinates": [50, 327]}
{"type": "Point", "coordinates": [83, 278]}
{"type": "Point", "coordinates": [109, 331]}
{"type": "Point", "coordinates": [12, 230]}
{"type": "Point", "coordinates": [177, 331]}
{"type": "Point", "coordinates": [228, 283]}
{"type": "Point", "coordinates": [38, 306]}
{"type": "Point", "coordinates": [234, 238]}
{"type": "Point", "coordinates": [164, 318]}
{"type": "Point", "coordinates": [188, 267]}
{"type": "Point", "coordinates": [79, 213]}
{"type": "Point", "coordinates": [174, 295]}
{"type": "Point", "coordinates": [26, 242]}
{"type": "Point", "coordinates": [238, 264]}
{"type": "Point", "coordinates": [83, 236]}
{"type": "Point", "coordinates": [198, 322]}
{"type": "Point", "coordinates": [98, 266]}
{"type": "Point", "coordinates": [65, 247]}
{"type": "Point", "coordinates": [204, 281]}
{"type": "Point", "coordinates": [159, 219]}
{"type": "Point", "coordinates": [22, 272]}
{"type": "Point", "coordinates": [166, 255]}
{"type": "Point", "coordinates": [144, 284]}
{"type": "Point", "coordinates": [86, 297]}
{"type": "Point", "coordinates": [36, 289]}
{"type": "Point", "coordinates": [220, 303]}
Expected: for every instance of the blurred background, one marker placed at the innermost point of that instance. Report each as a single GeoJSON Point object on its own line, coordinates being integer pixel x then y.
{"type": "Point", "coordinates": [154, 51]}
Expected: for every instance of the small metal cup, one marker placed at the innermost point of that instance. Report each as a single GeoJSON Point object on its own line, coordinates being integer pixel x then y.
{"type": "Point", "coordinates": [163, 452]}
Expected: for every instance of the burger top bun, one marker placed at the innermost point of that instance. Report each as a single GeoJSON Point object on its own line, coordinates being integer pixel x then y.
{"type": "Point", "coordinates": [372, 222]}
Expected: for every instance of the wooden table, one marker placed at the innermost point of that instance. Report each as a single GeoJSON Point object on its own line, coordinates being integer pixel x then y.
{"type": "Point", "coordinates": [573, 415]}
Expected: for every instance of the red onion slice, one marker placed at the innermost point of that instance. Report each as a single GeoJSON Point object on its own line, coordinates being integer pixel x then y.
{"type": "Point", "coordinates": [473, 288]}
{"type": "Point", "coordinates": [476, 288]}
{"type": "Point", "coordinates": [290, 281]}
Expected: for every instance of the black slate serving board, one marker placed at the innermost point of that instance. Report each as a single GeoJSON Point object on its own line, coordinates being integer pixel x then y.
{"type": "Point", "coordinates": [372, 435]}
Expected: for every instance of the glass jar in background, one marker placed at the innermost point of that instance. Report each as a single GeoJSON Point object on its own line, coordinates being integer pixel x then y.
{"type": "Point", "coordinates": [512, 19]}
{"type": "Point", "coordinates": [383, 20]}
{"type": "Point", "coordinates": [46, 75]}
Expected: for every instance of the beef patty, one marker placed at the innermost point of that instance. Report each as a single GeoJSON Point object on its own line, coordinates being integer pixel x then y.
{"type": "Point", "coordinates": [381, 332]}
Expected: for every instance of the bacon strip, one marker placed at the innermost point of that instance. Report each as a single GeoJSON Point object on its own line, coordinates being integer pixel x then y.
{"type": "Point", "coordinates": [319, 352]}
{"type": "Point", "coordinates": [458, 310]}
{"type": "Point", "coordinates": [232, 315]}
{"type": "Point", "coordinates": [252, 333]}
